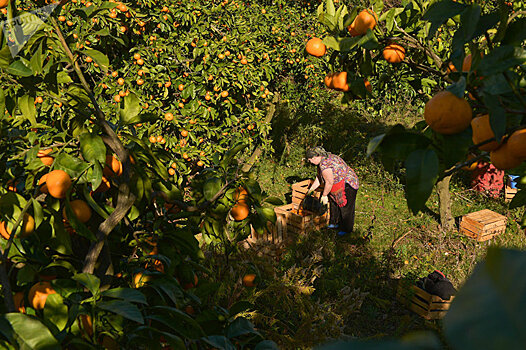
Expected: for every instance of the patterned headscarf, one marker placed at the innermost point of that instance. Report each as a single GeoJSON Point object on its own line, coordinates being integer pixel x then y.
{"type": "Point", "coordinates": [316, 152]}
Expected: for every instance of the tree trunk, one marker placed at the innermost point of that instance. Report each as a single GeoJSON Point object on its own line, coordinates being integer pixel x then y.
{"type": "Point", "coordinates": [444, 200]}
{"type": "Point", "coordinates": [268, 118]}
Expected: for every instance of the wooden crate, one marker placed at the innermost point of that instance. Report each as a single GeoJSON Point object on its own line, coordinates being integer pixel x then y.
{"type": "Point", "coordinates": [483, 225]}
{"type": "Point", "coordinates": [509, 193]}
{"type": "Point", "coordinates": [290, 223]}
{"type": "Point", "coordinates": [299, 191]}
{"type": "Point", "coordinates": [429, 306]}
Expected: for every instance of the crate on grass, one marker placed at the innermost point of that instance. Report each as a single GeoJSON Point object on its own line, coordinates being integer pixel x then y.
{"type": "Point", "coordinates": [483, 225]}
{"type": "Point", "coordinates": [428, 306]}
{"type": "Point", "coordinates": [290, 220]}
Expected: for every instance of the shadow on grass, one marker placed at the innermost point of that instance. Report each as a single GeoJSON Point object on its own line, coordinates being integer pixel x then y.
{"type": "Point", "coordinates": [329, 287]}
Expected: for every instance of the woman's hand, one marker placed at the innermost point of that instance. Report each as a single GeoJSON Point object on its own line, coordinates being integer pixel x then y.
{"type": "Point", "coordinates": [324, 200]}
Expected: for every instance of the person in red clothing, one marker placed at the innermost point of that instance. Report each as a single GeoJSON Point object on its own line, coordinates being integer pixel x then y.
{"type": "Point", "coordinates": [340, 182]}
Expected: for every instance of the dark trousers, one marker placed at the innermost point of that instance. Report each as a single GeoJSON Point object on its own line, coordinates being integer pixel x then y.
{"type": "Point", "coordinates": [344, 216]}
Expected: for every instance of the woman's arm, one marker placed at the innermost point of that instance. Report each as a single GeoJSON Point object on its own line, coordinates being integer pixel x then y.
{"type": "Point", "coordinates": [328, 176]}
{"type": "Point", "coordinates": [314, 185]}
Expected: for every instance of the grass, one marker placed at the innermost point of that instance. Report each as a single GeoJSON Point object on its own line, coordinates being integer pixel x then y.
{"type": "Point", "coordinates": [322, 287]}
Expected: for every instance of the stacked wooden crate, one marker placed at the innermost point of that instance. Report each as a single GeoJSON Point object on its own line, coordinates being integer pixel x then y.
{"type": "Point", "coordinates": [483, 225]}
{"type": "Point", "coordinates": [291, 219]}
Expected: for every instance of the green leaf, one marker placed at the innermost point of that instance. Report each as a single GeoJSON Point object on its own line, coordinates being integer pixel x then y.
{"type": "Point", "coordinates": [266, 345]}
{"type": "Point", "coordinates": [20, 69]}
{"type": "Point", "coordinates": [126, 294]}
{"type": "Point", "coordinates": [132, 107]}
{"type": "Point", "coordinates": [27, 106]}
{"type": "Point", "coordinates": [38, 213]}
{"type": "Point", "coordinates": [267, 214]}
{"type": "Point", "coordinates": [219, 342]}
{"type": "Point", "coordinates": [501, 59]}
{"type": "Point", "coordinates": [240, 326]}
{"type": "Point", "coordinates": [231, 153]}
{"type": "Point", "coordinates": [72, 165]}
{"type": "Point", "coordinates": [518, 200]}
{"type": "Point", "coordinates": [143, 118]}
{"type": "Point", "coordinates": [458, 88]}
{"type": "Point", "coordinates": [55, 311]}
{"type": "Point", "coordinates": [37, 60]}
{"type": "Point", "coordinates": [89, 281]}
{"type": "Point", "coordinates": [368, 41]}
{"type": "Point", "coordinates": [92, 148]}
{"type": "Point", "coordinates": [468, 24]}
{"type": "Point", "coordinates": [122, 308]}
{"type": "Point", "coordinates": [373, 144]}
{"type": "Point", "coordinates": [421, 175]}
{"type": "Point", "coordinates": [329, 5]}
{"type": "Point", "coordinates": [454, 147]}
{"type": "Point", "coordinates": [486, 22]}
{"type": "Point", "coordinates": [2, 102]}
{"type": "Point", "coordinates": [211, 187]}
{"type": "Point", "coordinates": [439, 12]}
{"type": "Point", "coordinates": [5, 57]}
{"type": "Point", "coordinates": [495, 318]}
{"type": "Point", "coordinates": [273, 200]}
{"type": "Point", "coordinates": [101, 59]}
{"type": "Point", "coordinates": [31, 333]}
{"type": "Point", "coordinates": [239, 307]}
{"type": "Point", "coordinates": [516, 32]}
{"type": "Point", "coordinates": [497, 115]}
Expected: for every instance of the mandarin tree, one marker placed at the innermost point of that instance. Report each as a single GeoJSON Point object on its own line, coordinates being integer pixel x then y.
{"type": "Point", "coordinates": [100, 102]}
{"type": "Point", "coordinates": [419, 44]}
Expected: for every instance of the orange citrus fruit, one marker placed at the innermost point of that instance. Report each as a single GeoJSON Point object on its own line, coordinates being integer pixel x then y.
{"type": "Point", "coordinates": [517, 144]}
{"type": "Point", "coordinates": [482, 131]}
{"type": "Point", "coordinates": [394, 53]}
{"type": "Point", "coordinates": [447, 114]}
{"type": "Point", "coordinates": [113, 166]}
{"type": "Point", "coordinates": [28, 227]}
{"type": "Point", "coordinates": [364, 21]}
{"type": "Point", "coordinates": [240, 211]}
{"type": "Point", "coordinates": [316, 47]}
{"type": "Point", "coordinates": [81, 210]}
{"type": "Point", "coordinates": [38, 294]}
{"type": "Point", "coordinates": [502, 158]}
{"type": "Point", "coordinates": [248, 280]}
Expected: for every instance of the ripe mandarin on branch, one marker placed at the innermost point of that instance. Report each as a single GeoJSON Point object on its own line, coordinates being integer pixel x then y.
{"type": "Point", "coordinates": [316, 47]}
{"type": "Point", "coordinates": [394, 53]}
{"type": "Point", "coordinates": [447, 114]}
{"type": "Point", "coordinates": [58, 183]}
{"type": "Point", "coordinates": [482, 131]}
{"type": "Point", "coordinates": [517, 144]}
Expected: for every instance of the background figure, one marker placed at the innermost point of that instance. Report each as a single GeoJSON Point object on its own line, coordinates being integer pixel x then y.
{"type": "Point", "coordinates": [341, 182]}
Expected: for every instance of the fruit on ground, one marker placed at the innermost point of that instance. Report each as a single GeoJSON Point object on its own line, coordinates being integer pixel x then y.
{"type": "Point", "coordinates": [44, 158]}
{"type": "Point", "coordinates": [482, 131]}
{"type": "Point", "coordinates": [503, 159]}
{"type": "Point", "coordinates": [316, 47]}
{"type": "Point", "coordinates": [38, 294]}
{"type": "Point", "coordinates": [394, 53]}
{"type": "Point", "coordinates": [81, 210]}
{"type": "Point", "coordinates": [113, 166]}
{"type": "Point", "coordinates": [58, 183]}
{"type": "Point", "coordinates": [248, 280]}
{"type": "Point", "coordinates": [517, 144]}
{"type": "Point", "coordinates": [447, 114]}
{"type": "Point", "coordinates": [28, 227]}
{"type": "Point", "coordinates": [364, 21]}
{"type": "Point", "coordinates": [240, 211]}
{"type": "Point", "coordinates": [337, 81]}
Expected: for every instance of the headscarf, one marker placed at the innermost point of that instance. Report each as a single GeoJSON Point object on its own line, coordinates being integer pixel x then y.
{"type": "Point", "coordinates": [317, 151]}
